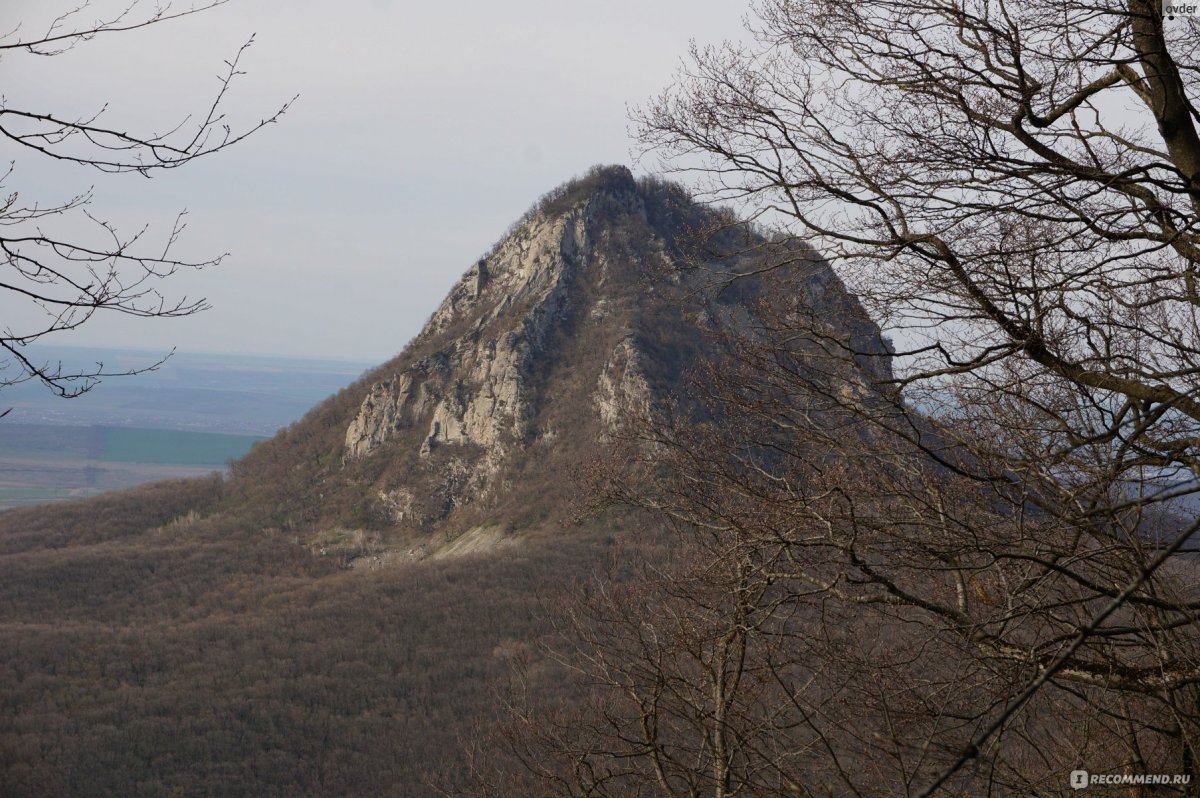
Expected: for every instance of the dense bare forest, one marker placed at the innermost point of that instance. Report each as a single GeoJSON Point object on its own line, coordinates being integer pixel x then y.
{"type": "Point", "coordinates": [169, 654]}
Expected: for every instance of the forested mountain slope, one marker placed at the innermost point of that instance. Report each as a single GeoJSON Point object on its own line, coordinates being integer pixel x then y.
{"type": "Point", "coordinates": [299, 627]}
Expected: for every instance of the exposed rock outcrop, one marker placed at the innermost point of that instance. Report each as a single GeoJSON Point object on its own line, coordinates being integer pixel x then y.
{"type": "Point", "coordinates": [509, 302]}
{"type": "Point", "coordinates": [621, 389]}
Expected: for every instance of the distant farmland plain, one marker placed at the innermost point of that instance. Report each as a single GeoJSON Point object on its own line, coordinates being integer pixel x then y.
{"type": "Point", "coordinates": [189, 417]}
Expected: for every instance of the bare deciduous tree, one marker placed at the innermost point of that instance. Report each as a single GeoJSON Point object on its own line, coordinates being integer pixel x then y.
{"type": "Point", "coordinates": [969, 571]}
{"type": "Point", "coordinates": [72, 276]}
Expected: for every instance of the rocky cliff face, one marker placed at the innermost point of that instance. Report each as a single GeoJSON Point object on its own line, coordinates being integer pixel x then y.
{"type": "Point", "coordinates": [475, 388]}
{"type": "Point", "coordinates": [589, 312]}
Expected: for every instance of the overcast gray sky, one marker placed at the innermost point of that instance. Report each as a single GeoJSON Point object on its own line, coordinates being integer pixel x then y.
{"type": "Point", "coordinates": [421, 132]}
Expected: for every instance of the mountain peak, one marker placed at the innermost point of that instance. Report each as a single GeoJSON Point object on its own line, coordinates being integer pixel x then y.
{"type": "Point", "coordinates": [584, 314]}
{"type": "Point", "coordinates": [610, 179]}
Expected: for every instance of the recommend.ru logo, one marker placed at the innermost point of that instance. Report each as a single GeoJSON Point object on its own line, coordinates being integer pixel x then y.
{"type": "Point", "coordinates": [1081, 779]}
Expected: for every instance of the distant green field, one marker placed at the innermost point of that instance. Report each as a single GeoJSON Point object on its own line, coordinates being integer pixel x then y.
{"type": "Point", "coordinates": [17, 496]}
{"type": "Point", "coordinates": [166, 446]}
{"type": "Point", "coordinates": [122, 444]}
{"type": "Point", "coordinates": [44, 462]}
